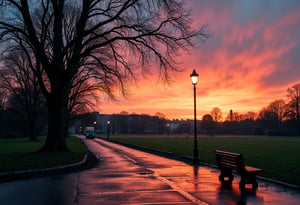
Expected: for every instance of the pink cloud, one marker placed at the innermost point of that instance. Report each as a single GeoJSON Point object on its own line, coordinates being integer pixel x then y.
{"type": "Point", "coordinates": [237, 67]}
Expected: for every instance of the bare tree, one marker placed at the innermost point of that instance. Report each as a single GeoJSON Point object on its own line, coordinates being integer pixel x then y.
{"type": "Point", "coordinates": [217, 115]}
{"type": "Point", "coordinates": [2, 100]}
{"type": "Point", "coordinates": [294, 101]}
{"type": "Point", "coordinates": [82, 97]}
{"type": "Point", "coordinates": [19, 82]}
{"type": "Point", "coordinates": [267, 114]}
{"type": "Point", "coordinates": [111, 40]}
{"type": "Point", "coordinates": [251, 115]}
{"type": "Point", "coordinates": [278, 107]}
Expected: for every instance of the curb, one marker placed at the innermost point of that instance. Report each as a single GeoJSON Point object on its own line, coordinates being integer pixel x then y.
{"type": "Point", "coordinates": [279, 182]}
{"type": "Point", "coordinates": [33, 171]}
{"type": "Point", "coordinates": [89, 160]}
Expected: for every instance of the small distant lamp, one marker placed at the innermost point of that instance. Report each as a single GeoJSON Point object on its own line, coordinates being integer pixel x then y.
{"type": "Point", "coordinates": [108, 126]}
{"type": "Point", "coordinates": [168, 129]}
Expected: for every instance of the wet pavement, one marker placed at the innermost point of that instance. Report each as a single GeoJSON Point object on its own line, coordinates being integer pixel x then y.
{"type": "Point", "coordinates": [128, 176]}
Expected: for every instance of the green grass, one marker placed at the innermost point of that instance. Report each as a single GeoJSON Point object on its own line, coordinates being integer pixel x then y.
{"type": "Point", "coordinates": [20, 154]}
{"type": "Point", "coordinates": [277, 156]}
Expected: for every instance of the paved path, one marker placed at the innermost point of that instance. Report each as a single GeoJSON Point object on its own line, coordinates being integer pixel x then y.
{"type": "Point", "coordinates": [127, 176]}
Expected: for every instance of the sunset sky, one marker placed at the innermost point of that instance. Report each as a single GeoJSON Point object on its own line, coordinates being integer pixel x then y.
{"type": "Point", "coordinates": [250, 61]}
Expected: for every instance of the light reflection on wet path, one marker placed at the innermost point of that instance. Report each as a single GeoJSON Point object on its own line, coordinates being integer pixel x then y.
{"type": "Point", "coordinates": [128, 176]}
{"type": "Point", "coordinates": [202, 183]}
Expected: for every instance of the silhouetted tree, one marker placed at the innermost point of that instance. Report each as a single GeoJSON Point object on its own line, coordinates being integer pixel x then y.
{"type": "Point", "coordinates": [266, 114]}
{"type": "Point", "coordinates": [216, 113]}
{"type": "Point", "coordinates": [82, 97]}
{"type": "Point", "coordinates": [251, 115]}
{"type": "Point", "coordinates": [124, 113]}
{"type": "Point", "coordinates": [294, 101]}
{"type": "Point", "coordinates": [278, 107]}
{"type": "Point", "coordinates": [160, 115]}
{"type": "Point", "coordinates": [207, 123]}
{"type": "Point", "coordinates": [267, 119]}
{"type": "Point", "coordinates": [2, 100]}
{"type": "Point", "coordinates": [21, 84]}
{"type": "Point", "coordinates": [108, 39]}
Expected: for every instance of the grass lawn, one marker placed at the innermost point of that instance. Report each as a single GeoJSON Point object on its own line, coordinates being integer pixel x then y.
{"type": "Point", "coordinates": [277, 156]}
{"type": "Point", "coordinates": [20, 154]}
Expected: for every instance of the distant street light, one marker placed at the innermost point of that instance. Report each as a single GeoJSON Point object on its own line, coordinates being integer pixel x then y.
{"type": "Point", "coordinates": [95, 123]}
{"type": "Point", "coordinates": [168, 129]}
{"type": "Point", "coordinates": [108, 126]}
{"type": "Point", "coordinates": [194, 76]}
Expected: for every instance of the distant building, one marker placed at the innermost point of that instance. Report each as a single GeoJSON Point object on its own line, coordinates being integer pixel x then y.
{"type": "Point", "coordinates": [129, 124]}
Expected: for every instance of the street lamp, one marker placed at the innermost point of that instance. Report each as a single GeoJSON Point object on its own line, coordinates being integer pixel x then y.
{"type": "Point", "coordinates": [194, 76]}
{"type": "Point", "coordinates": [108, 124]}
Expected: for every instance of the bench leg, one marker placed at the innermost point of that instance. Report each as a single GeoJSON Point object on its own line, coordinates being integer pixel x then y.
{"type": "Point", "coordinates": [254, 186]}
{"type": "Point", "coordinates": [242, 185]}
{"type": "Point", "coordinates": [249, 178]}
{"type": "Point", "coordinates": [226, 173]}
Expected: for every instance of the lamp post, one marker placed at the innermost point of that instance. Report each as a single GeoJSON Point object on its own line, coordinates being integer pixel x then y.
{"type": "Point", "coordinates": [194, 76]}
{"type": "Point", "coordinates": [108, 124]}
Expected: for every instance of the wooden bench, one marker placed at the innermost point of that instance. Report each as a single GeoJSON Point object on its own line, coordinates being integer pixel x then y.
{"type": "Point", "coordinates": [228, 161]}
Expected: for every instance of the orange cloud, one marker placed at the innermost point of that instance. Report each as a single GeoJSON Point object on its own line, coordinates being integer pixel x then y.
{"type": "Point", "coordinates": [250, 61]}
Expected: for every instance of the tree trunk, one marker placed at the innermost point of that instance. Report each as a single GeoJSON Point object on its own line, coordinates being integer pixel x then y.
{"type": "Point", "coordinates": [56, 139]}
{"type": "Point", "coordinates": [33, 130]}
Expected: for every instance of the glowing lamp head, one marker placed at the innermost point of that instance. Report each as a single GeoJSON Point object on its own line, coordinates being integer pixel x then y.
{"type": "Point", "coordinates": [194, 77]}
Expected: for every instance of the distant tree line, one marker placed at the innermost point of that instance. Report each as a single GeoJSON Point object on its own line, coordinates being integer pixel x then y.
{"type": "Point", "coordinates": [17, 114]}
{"type": "Point", "coordinates": [280, 117]}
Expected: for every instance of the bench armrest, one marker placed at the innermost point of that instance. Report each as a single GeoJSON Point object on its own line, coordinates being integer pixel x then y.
{"type": "Point", "coordinates": [252, 169]}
